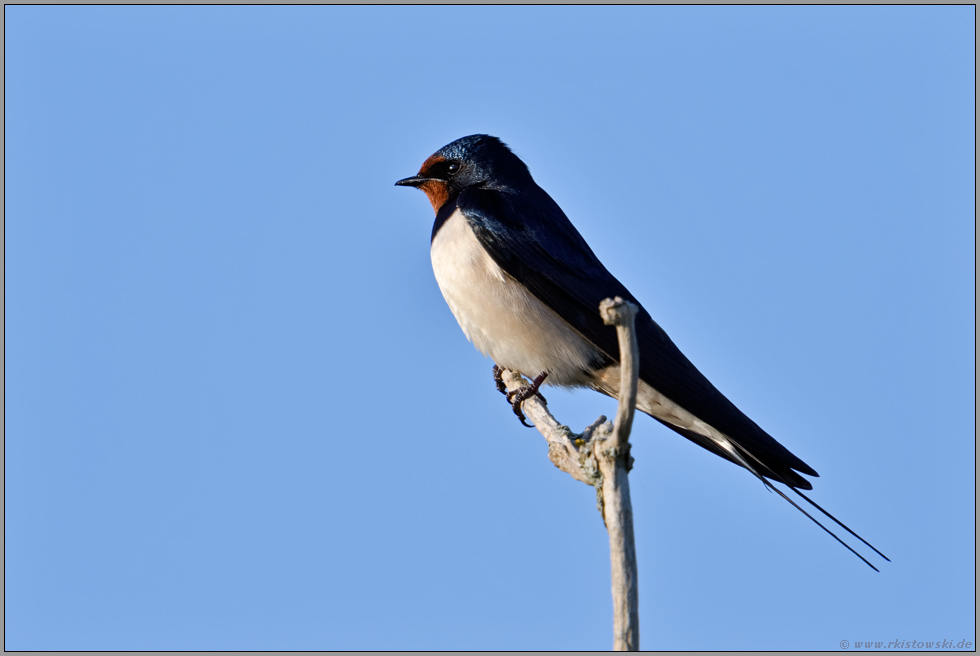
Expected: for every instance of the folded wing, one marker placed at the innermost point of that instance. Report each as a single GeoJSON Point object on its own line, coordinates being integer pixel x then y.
{"type": "Point", "coordinates": [532, 240]}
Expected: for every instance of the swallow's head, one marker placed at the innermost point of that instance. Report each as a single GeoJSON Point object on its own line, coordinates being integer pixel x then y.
{"type": "Point", "coordinates": [477, 161]}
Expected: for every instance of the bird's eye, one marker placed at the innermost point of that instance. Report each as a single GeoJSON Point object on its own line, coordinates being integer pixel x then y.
{"type": "Point", "coordinates": [453, 168]}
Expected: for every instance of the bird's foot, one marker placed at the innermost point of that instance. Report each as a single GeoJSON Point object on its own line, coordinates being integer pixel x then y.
{"type": "Point", "coordinates": [521, 394]}
{"type": "Point", "coordinates": [498, 377]}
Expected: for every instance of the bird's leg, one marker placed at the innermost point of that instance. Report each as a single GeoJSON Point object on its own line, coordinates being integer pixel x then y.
{"type": "Point", "coordinates": [518, 396]}
{"type": "Point", "coordinates": [498, 377]}
{"type": "Point", "coordinates": [527, 391]}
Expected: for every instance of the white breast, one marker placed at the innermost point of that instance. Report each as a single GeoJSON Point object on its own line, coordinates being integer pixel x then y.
{"type": "Point", "coordinates": [499, 315]}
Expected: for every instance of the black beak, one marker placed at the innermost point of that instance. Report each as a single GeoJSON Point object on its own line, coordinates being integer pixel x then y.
{"type": "Point", "coordinates": [414, 181]}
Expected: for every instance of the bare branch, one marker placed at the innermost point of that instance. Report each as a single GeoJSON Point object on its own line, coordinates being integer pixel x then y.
{"type": "Point", "coordinates": [622, 314]}
{"type": "Point", "coordinates": [563, 443]}
{"type": "Point", "coordinates": [613, 455]}
{"type": "Point", "coordinates": [600, 456]}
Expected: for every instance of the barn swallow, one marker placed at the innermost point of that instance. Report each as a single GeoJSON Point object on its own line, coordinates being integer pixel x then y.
{"type": "Point", "coordinates": [525, 288]}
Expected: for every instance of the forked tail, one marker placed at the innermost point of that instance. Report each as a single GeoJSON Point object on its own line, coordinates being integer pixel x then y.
{"type": "Point", "coordinates": [742, 453]}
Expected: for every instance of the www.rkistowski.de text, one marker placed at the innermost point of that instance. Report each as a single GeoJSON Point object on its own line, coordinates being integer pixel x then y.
{"type": "Point", "coordinates": [906, 644]}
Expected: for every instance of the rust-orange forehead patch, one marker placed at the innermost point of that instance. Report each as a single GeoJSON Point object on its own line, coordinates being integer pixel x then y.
{"type": "Point", "coordinates": [432, 161]}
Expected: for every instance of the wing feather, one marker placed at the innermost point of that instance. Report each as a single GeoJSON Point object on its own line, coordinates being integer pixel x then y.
{"type": "Point", "coordinates": [531, 239]}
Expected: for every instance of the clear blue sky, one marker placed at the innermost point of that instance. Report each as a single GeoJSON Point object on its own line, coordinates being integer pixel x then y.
{"type": "Point", "coordinates": [239, 414]}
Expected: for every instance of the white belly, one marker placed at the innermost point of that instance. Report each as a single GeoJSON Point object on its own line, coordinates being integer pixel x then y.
{"type": "Point", "coordinates": [499, 315]}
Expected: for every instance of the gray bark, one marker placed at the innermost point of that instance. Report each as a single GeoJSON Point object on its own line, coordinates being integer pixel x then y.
{"type": "Point", "coordinates": [600, 457]}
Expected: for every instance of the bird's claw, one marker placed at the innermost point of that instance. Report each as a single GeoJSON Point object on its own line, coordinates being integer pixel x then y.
{"type": "Point", "coordinates": [498, 377]}
{"type": "Point", "coordinates": [521, 394]}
